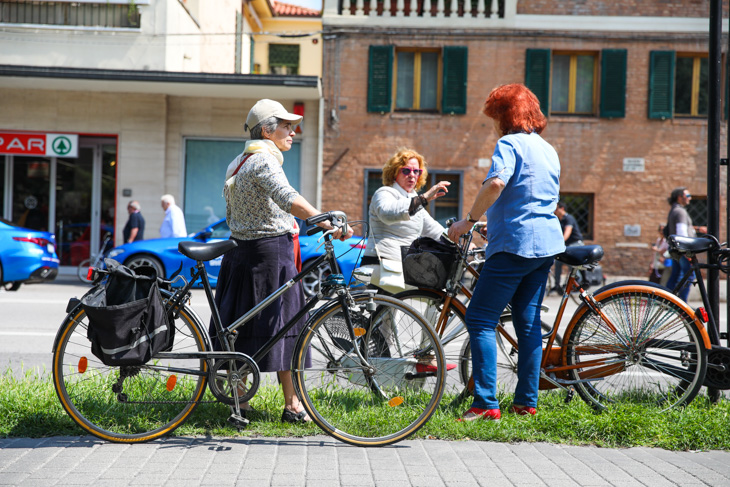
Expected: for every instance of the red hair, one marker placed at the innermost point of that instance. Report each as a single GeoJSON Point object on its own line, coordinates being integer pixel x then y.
{"type": "Point", "coordinates": [515, 108]}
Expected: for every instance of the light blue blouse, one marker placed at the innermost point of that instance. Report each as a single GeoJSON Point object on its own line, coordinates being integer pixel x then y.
{"type": "Point", "coordinates": [522, 221]}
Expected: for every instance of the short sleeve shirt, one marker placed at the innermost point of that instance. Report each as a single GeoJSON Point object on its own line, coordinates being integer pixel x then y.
{"type": "Point", "coordinates": [135, 221]}
{"type": "Point", "coordinates": [522, 221]}
{"type": "Point", "coordinates": [575, 235]}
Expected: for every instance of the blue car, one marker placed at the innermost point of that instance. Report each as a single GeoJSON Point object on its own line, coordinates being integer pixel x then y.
{"type": "Point", "coordinates": [26, 256]}
{"type": "Point", "coordinates": [162, 254]}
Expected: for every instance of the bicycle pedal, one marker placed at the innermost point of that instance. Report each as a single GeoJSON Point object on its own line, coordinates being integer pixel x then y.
{"type": "Point", "coordinates": [238, 421]}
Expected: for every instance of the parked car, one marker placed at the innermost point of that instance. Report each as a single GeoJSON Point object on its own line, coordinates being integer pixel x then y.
{"type": "Point", "coordinates": [162, 254]}
{"type": "Point", "coordinates": [26, 256]}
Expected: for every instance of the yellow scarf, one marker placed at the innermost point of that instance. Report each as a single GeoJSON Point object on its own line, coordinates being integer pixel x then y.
{"type": "Point", "coordinates": [251, 147]}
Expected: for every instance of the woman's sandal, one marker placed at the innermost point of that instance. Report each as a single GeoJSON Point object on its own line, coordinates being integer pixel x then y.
{"type": "Point", "coordinates": [292, 417]}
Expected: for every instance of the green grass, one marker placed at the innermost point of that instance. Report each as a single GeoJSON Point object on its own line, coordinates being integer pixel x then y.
{"type": "Point", "coordinates": [29, 407]}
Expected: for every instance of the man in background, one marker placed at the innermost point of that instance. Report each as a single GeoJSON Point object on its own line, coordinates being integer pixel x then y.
{"type": "Point", "coordinates": [134, 229]}
{"type": "Point", "coordinates": [173, 226]}
{"type": "Point", "coordinates": [571, 235]}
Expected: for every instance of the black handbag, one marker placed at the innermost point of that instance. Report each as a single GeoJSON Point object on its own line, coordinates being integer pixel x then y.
{"type": "Point", "coordinates": [127, 320]}
{"type": "Point", "coordinates": [428, 262]}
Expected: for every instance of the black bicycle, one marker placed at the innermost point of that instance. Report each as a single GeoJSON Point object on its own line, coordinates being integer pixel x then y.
{"type": "Point", "coordinates": [375, 376]}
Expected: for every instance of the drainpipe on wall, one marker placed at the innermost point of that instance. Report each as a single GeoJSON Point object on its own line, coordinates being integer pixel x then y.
{"type": "Point", "coordinates": [320, 148]}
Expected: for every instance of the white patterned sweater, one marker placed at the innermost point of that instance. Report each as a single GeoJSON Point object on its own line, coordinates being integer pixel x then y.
{"type": "Point", "coordinates": [261, 199]}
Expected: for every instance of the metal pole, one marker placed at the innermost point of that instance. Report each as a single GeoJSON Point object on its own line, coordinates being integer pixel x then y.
{"type": "Point", "coordinates": [713, 146]}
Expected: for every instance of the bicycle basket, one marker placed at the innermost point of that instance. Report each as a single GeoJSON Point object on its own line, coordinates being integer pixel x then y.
{"type": "Point", "coordinates": [429, 263]}
{"type": "Point", "coordinates": [127, 320]}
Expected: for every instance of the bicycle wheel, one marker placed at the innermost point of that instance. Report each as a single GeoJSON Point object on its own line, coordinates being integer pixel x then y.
{"type": "Point", "coordinates": [656, 356]}
{"type": "Point", "coordinates": [128, 404]}
{"type": "Point", "coordinates": [83, 269]}
{"type": "Point", "coordinates": [389, 399]}
{"type": "Point", "coordinates": [506, 353]}
{"type": "Point", "coordinates": [454, 335]}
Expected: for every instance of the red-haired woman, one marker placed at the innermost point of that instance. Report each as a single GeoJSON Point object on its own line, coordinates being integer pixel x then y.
{"type": "Point", "coordinates": [519, 196]}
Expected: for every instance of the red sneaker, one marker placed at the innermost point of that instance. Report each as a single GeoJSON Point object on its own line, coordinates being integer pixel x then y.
{"type": "Point", "coordinates": [475, 413]}
{"type": "Point", "coordinates": [421, 368]}
{"type": "Point", "coordinates": [523, 410]}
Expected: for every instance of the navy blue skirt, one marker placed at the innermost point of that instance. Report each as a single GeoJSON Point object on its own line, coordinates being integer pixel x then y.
{"type": "Point", "coordinates": [249, 273]}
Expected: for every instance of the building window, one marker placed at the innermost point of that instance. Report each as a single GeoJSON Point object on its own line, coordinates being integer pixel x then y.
{"type": "Point", "coordinates": [573, 83]}
{"type": "Point", "coordinates": [284, 58]}
{"type": "Point", "coordinates": [205, 161]}
{"type": "Point", "coordinates": [697, 209]}
{"type": "Point", "coordinates": [417, 79]}
{"type": "Point", "coordinates": [443, 208]}
{"type": "Point", "coordinates": [81, 14]}
{"type": "Point", "coordinates": [691, 85]}
{"type": "Point", "coordinates": [580, 205]}
{"type": "Point", "coordinates": [678, 84]}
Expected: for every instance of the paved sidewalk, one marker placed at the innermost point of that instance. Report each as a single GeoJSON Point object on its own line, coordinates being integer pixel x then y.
{"type": "Point", "coordinates": [321, 461]}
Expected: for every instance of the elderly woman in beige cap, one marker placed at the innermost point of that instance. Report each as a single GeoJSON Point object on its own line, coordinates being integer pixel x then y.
{"type": "Point", "coordinates": [260, 210]}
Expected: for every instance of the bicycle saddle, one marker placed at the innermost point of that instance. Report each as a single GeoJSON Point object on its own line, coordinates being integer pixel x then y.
{"type": "Point", "coordinates": [581, 255]}
{"type": "Point", "coordinates": [205, 251]}
{"type": "Point", "coordinates": [691, 244]}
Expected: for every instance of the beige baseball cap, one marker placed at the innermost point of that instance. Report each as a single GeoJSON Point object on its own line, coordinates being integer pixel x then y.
{"type": "Point", "coordinates": [266, 108]}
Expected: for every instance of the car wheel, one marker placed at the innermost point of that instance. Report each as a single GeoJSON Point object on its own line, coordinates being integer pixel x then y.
{"type": "Point", "coordinates": [148, 260]}
{"type": "Point", "coordinates": [312, 281]}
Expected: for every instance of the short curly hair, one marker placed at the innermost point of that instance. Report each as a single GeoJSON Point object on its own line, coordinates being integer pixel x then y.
{"type": "Point", "coordinates": [399, 160]}
{"type": "Point", "coordinates": [516, 109]}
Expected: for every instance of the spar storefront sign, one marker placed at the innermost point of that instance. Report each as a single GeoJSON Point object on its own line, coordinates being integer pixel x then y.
{"type": "Point", "coordinates": [61, 145]}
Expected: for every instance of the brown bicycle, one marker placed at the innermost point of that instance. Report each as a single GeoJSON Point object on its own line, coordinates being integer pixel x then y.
{"type": "Point", "coordinates": [625, 343]}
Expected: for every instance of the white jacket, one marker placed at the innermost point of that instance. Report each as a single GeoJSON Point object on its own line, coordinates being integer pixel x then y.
{"type": "Point", "coordinates": [390, 225]}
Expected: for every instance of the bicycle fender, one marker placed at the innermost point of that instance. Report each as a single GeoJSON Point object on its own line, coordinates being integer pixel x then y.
{"type": "Point", "coordinates": [631, 282]}
{"type": "Point", "coordinates": [644, 286]}
{"type": "Point", "coordinates": [72, 309]}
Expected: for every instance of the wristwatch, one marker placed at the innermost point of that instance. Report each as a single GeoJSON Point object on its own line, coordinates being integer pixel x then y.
{"type": "Point", "coordinates": [470, 219]}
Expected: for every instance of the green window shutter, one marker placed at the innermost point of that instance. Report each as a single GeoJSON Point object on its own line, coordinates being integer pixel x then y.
{"type": "Point", "coordinates": [380, 79]}
{"type": "Point", "coordinates": [456, 60]}
{"type": "Point", "coordinates": [661, 84]}
{"type": "Point", "coordinates": [537, 76]}
{"type": "Point", "coordinates": [613, 83]}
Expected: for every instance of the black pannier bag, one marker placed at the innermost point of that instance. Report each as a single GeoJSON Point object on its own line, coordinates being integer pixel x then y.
{"type": "Point", "coordinates": [127, 320]}
{"type": "Point", "coordinates": [428, 262]}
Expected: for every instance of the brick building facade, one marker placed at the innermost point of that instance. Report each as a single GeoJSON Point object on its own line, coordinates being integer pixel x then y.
{"type": "Point", "coordinates": [623, 84]}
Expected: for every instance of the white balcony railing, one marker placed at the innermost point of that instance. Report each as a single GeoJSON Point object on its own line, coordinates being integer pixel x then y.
{"type": "Point", "coordinates": [412, 13]}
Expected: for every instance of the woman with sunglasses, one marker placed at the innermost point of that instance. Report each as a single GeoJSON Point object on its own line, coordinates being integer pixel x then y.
{"type": "Point", "coordinates": [519, 195]}
{"type": "Point", "coordinates": [398, 216]}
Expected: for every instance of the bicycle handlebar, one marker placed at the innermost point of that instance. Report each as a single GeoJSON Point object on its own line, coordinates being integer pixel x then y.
{"type": "Point", "coordinates": [338, 219]}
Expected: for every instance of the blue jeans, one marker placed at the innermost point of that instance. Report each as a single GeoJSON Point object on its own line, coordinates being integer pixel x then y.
{"type": "Point", "coordinates": [507, 278]}
{"type": "Point", "coordinates": [679, 269]}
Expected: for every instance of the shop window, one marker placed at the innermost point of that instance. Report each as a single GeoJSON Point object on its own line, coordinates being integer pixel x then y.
{"type": "Point", "coordinates": [580, 205]}
{"type": "Point", "coordinates": [578, 83]}
{"type": "Point", "coordinates": [284, 58]}
{"type": "Point", "coordinates": [110, 13]}
{"type": "Point", "coordinates": [678, 84]}
{"type": "Point", "coordinates": [443, 208]}
{"type": "Point", "coordinates": [205, 161]}
{"type": "Point", "coordinates": [3, 190]}
{"type": "Point", "coordinates": [424, 79]}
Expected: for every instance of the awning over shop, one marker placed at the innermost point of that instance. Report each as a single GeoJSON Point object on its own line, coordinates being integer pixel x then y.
{"type": "Point", "coordinates": [219, 85]}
